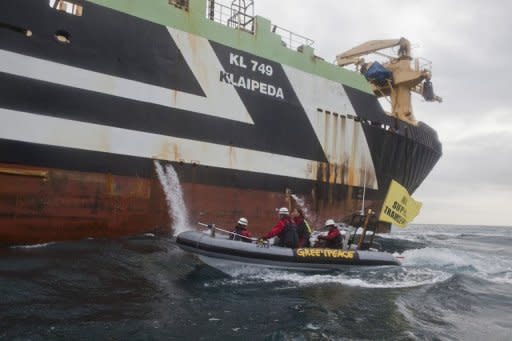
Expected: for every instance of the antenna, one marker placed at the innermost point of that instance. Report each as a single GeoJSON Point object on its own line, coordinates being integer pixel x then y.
{"type": "Point", "coordinates": [364, 187]}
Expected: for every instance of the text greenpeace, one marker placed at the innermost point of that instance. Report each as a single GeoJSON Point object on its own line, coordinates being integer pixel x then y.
{"type": "Point", "coordinates": [326, 253]}
{"type": "Point", "coordinates": [248, 83]}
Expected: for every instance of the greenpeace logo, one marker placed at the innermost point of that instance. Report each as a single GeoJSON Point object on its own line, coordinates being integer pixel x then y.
{"type": "Point", "coordinates": [326, 253]}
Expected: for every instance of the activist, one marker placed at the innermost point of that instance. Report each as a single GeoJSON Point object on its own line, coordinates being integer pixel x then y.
{"type": "Point", "coordinates": [285, 230]}
{"type": "Point", "coordinates": [333, 239]}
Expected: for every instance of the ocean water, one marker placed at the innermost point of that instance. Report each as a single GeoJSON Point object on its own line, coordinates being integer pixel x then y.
{"type": "Point", "coordinates": [455, 284]}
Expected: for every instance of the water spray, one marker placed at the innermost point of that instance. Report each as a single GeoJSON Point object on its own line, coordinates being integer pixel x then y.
{"type": "Point", "coordinates": [174, 197]}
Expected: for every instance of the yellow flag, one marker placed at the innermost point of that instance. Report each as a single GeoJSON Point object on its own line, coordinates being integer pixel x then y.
{"type": "Point", "coordinates": [399, 208]}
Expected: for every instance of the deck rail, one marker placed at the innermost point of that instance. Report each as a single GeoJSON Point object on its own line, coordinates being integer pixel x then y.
{"type": "Point", "coordinates": [239, 14]}
{"type": "Point", "coordinates": [291, 39]}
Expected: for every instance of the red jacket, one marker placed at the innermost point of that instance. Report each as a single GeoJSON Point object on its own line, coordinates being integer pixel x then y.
{"type": "Point", "coordinates": [333, 233]}
{"type": "Point", "coordinates": [278, 228]}
{"type": "Point", "coordinates": [246, 233]}
{"type": "Point", "coordinates": [241, 232]}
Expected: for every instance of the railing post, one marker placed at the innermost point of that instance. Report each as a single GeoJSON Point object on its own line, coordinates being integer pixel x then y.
{"type": "Point", "coordinates": [211, 9]}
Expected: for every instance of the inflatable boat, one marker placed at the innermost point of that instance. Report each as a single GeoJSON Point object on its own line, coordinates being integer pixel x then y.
{"type": "Point", "coordinates": [219, 251]}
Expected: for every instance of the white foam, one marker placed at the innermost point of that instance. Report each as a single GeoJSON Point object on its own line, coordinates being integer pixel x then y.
{"type": "Point", "coordinates": [174, 197]}
{"type": "Point", "coordinates": [311, 326]}
{"type": "Point", "coordinates": [504, 278]}
{"type": "Point", "coordinates": [456, 257]}
{"type": "Point", "coordinates": [400, 237]}
{"type": "Point", "coordinates": [493, 267]}
{"type": "Point", "coordinates": [390, 278]}
{"type": "Point", "coordinates": [423, 237]}
{"type": "Point", "coordinates": [32, 246]}
{"type": "Point", "coordinates": [302, 204]}
{"type": "Point", "coordinates": [433, 256]}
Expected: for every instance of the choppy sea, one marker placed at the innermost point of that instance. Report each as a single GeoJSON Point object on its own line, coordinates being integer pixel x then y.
{"type": "Point", "coordinates": [455, 284]}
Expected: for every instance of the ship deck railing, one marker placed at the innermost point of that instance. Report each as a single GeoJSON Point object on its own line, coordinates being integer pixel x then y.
{"type": "Point", "coordinates": [240, 15]}
{"type": "Point", "coordinates": [232, 16]}
{"type": "Point", "coordinates": [291, 39]}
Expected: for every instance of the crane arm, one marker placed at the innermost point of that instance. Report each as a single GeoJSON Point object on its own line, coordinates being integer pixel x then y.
{"type": "Point", "coordinates": [348, 57]}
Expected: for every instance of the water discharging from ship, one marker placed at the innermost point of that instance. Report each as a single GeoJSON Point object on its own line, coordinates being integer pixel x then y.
{"type": "Point", "coordinates": [302, 204]}
{"type": "Point", "coordinates": [174, 197]}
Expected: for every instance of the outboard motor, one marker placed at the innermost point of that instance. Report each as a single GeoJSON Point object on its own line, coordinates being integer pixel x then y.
{"type": "Point", "coordinates": [428, 91]}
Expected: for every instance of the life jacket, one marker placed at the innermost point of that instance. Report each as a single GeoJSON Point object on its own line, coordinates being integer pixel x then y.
{"type": "Point", "coordinates": [303, 232]}
{"type": "Point", "coordinates": [288, 236]}
{"type": "Point", "coordinates": [335, 243]}
{"type": "Point", "coordinates": [240, 231]}
{"type": "Point", "coordinates": [308, 228]}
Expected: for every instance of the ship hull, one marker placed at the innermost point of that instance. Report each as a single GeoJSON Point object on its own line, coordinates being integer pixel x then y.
{"type": "Point", "coordinates": [44, 204]}
{"type": "Point", "coordinates": [92, 105]}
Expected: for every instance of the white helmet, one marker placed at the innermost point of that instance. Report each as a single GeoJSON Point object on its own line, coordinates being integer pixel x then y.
{"type": "Point", "coordinates": [243, 221]}
{"type": "Point", "coordinates": [283, 210]}
{"type": "Point", "coordinates": [329, 222]}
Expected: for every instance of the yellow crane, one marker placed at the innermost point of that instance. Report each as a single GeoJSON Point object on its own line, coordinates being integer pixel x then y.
{"type": "Point", "coordinates": [404, 78]}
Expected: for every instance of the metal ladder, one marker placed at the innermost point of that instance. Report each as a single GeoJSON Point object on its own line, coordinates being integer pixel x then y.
{"type": "Point", "coordinates": [242, 15]}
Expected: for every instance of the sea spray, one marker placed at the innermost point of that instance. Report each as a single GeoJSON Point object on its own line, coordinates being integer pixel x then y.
{"type": "Point", "coordinates": [302, 204]}
{"type": "Point", "coordinates": [174, 197]}
{"type": "Point", "coordinates": [387, 277]}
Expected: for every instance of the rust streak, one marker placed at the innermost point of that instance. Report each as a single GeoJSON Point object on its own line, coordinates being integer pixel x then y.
{"type": "Point", "coordinates": [176, 151]}
{"type": "Point", "coordinates": [232, 157]}
{"type": "Point", "coordinates": [174, 97]}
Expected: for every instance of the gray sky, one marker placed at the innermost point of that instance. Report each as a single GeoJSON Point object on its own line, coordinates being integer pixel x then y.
{"type": "Point", "coordinates": [469, 45]}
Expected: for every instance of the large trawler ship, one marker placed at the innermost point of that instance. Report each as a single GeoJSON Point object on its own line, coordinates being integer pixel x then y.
{"type": "Point", "coordinates": [95, 95]}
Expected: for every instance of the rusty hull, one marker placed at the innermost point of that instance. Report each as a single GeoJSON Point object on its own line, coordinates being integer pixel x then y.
{"type": "Point", "coordinates": [42, 205]}
{"type": "Point", "coordinates": [39, 205]}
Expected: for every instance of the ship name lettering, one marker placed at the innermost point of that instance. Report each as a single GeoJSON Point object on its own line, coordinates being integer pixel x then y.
{"type": "Point", "coordinates": [264, 69]}
{"type": "Point", "coordinates": [256, 66]}
{"type": "Point", "coordinates": [226, 77]}
{"type": "Point", "coordinates": [251, 84]}
{"type": "Point", "coordinates": [235, 59]}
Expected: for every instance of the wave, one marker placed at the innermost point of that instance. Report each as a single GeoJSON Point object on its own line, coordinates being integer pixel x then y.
{"type": "Point", "coordinates": [501, 278]}
{"type": "Point", "coordinates": [32, 246]}
{"type": "Point", "coordinates": [491, 266]}
{"type": "Point", "coordinates": [483, 239]}
{"type": "Point", "coordinates": [382, 278]}
{"type": "Point", "coordinates": [425, 266]}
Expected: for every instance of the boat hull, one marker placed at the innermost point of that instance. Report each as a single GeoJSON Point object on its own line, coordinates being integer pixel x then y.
{"type": "Point", "coordinates": [222, 252]}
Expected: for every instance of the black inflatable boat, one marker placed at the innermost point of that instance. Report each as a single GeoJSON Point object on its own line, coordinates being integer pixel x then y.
{"type": "Point", "coordinates": [219, 251]}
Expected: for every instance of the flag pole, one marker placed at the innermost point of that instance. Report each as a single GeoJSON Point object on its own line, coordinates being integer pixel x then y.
{"type": "Point", "coordinates": [365, 228]}
{"type": "Point", "coordinates": [364, 187]}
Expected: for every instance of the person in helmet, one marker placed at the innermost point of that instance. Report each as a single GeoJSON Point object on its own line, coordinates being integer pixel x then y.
{"type": "Point", "coordinates": [285, 230]}
{"type": "Point", "coordinates": [303, 228]}
{"type": "Point", "coordinates": [333, 239]}
{"type": "Point", "coordinates": [240, 231]}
